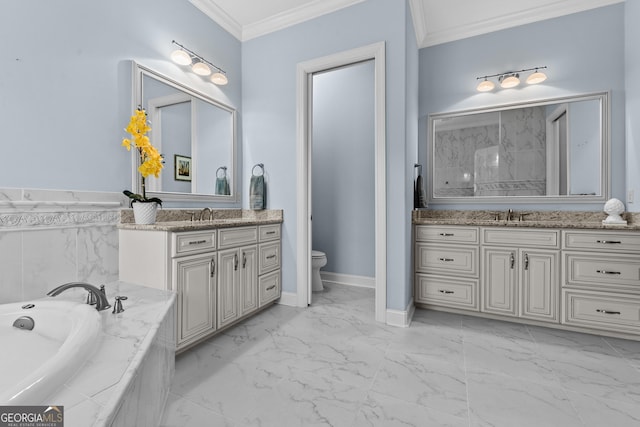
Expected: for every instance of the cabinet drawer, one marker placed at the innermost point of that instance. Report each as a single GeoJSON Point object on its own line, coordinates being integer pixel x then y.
{"type": "Point", "coordinates": [269, 232]}
{"type": "Point", "coordinates": [446, 259]}
{"type": "Point", "coordinates": [603, 271]}
{"type": "Point", "coordinates": [605, 241]}
{"type": "Point", "coordinates": [188, 243]}
{"type": "Point", "coordinates": [615, 312]}
{"type": "Point", "coordinates": [521, 237]}
{"type": "Point", "coordinates": [232, 237]}
{"type": "Point", "coordinates": [269, 257]}
{"type": "Point", "coordinates": [269, 287]}
{"type": "Point", "coordinates": [447, 292]}
{"type": "Point", "coordinates": [431, 233]}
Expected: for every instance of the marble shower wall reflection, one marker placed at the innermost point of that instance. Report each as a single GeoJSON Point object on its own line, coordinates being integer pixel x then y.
{"type": "Point", "coordinates": [50, 237]}
{"type": "Point", "coordinates": [503, 154]}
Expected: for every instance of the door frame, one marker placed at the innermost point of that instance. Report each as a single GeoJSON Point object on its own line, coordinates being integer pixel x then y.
{"type": "Point", "coordinates": [304, 88]}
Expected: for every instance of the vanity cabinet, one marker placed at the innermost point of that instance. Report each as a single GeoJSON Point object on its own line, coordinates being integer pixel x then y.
{"type": "Point", "coordinates": [220, 275]}
{"type": "Point", "coordinates": [601, 280]}
{"type": "Point", "coordinates": [446, 265]}
{"type": "Point", "coordinates": [521, 273]}
{"type": "Point", "coordinates": [586, 280]}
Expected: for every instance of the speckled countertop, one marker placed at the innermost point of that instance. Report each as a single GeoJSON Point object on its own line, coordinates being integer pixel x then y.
{"type": "Point", "coordinates": [534, 219]}
{"type": "Point", "coordinates": [180, 219]}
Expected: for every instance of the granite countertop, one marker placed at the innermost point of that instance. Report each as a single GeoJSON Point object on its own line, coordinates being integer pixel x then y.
{"type": "Point", "coordinates": [532, 219]}
{"type": "Point", "coordinates": [176, 220]}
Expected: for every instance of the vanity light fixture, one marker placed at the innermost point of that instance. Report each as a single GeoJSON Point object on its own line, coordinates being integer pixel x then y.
{"type": "Point", "coordinates": [511, 79]}
{"type": "Point", "coordinates": [201, 66]}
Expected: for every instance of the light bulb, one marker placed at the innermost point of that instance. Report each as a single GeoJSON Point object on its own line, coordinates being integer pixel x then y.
{"type": "Point", "coordinates": [219, 79]}
{"type": "Point", "coordinates": [181, 57]}
{"type": "Point", "coordinates": [485, 86]}
{"type": "Point", "coordinates": [509, 80]}
{"type": "Point", "coordinates": [201, 69]}
{"type": "Point", "coordinates": [537, 77]}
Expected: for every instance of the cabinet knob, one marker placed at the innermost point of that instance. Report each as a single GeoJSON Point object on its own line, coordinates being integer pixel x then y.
{"type": "Point", "coordinates": [213, 267]}
{"type": "Point", "coordinates": [235, 262]}
{"type": "Point", "coordinates": [607, 311]}
{"type": "Point", "coordinates": [608, 272]}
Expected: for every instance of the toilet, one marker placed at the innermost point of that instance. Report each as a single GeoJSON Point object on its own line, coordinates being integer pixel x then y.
{"type": "Point", "coordinates": [318, 260]}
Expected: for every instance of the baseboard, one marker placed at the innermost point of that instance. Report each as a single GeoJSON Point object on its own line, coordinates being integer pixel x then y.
{"type": "Point", "coordinates": [289, 298]}
{"type": "Point", "coordinates": [348, 279]}
{"type": "Point", "coordinates": [401, 318]}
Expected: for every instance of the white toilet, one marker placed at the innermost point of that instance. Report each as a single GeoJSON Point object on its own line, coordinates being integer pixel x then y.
{"type": "Point", "coordinates": [318, 260]}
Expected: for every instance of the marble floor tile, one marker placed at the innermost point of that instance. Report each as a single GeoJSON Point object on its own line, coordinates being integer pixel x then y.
{"type": "Point", "coordinates": [333, 365]}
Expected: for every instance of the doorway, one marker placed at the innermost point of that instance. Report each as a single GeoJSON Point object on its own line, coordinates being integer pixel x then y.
{"type": "Point", "coordinates": [305, 72]}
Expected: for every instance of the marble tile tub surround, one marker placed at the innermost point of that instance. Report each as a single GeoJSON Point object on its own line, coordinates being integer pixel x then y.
{"type": "Point", "coordinates": [539, 219]}
{"type": "Point", "coordinates": [126, 381]}
{"type": "Point", "coordinates": [333, 364]}
{"type": "Point", "coordinates": [49, 237]}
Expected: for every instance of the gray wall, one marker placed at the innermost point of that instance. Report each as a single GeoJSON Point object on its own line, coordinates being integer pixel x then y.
{"type": "Point", "coordinates": [343, 169]}
{"type": "Point", "coordinates": [632, 96]}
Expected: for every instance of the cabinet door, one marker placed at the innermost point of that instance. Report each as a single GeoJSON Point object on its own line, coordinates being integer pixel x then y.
{"type": "Point", "coordinates": [248, 279]}
{"type": "Point", "coordinates": [196, 296]}
{"type": "Point", "coordinates": [539, 287]}
{"type": "Point", "coordinates": [228, 286]}
{"type": "Point", "coordinates": [499, 294]}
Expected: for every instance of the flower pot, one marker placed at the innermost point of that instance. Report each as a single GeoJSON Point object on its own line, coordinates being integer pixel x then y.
{"type": "Point", "coordinates": [145, 212]}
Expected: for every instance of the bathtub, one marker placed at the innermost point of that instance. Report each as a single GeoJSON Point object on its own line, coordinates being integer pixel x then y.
{"type": "Point", "coordinates": [36, 363]}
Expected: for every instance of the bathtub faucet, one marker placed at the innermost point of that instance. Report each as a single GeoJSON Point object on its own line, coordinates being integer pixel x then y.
{"type": "Point", "coordinates": [101, 299]}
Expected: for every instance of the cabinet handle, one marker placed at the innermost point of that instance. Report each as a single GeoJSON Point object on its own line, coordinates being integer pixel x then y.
{"type": "Point", "coordinates": [609, 242]}
{"type": "Point", "coordinates": [270, 232]}
{"type": "Point", "coordinates": [213, 267]}
{"type": "Point", "coordinates": [526, 261]}
{"type": "Point", "coordinates": [271, 287]}
{"type": "Point", "coordinates": [442, 291]}
{"type": "Point", "coordinates": [244, 260]}
{"type": "Point", "coordinates": [512, 260]}
{"type": "Point", "coordinates": [608, 312]}
{"type": "Point", "coordinates": [607, 272]}
{"type": "Point", "coordinates": [197, 242]}
{"type": "Point", "coordinates": [235, 262]}
{"type": "Point", "coordinates": [271, 257]}
{"type": "Point", "coordinates": [446, 259]}
{"type": "Point", "coordinates": [447, 234]}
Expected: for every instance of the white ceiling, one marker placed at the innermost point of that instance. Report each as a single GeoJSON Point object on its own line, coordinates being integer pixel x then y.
{"type": "Point", "coordinates": [435, 21]}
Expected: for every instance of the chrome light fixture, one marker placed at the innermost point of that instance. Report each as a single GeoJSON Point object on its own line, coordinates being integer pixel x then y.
{"type": "Point", "coordinates": [510, 79]}
{"type": "Point", "coordinates": [201, 66]}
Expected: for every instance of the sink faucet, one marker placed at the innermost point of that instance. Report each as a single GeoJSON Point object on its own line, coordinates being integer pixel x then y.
{"type": "Point", "coordinates": [204, 211]}
{"type": "Point", "coordinates": [101, 299]}
{"type": "Point", "coordinates": [508, 215]}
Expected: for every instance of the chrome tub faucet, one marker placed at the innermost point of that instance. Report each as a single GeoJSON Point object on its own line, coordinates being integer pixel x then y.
{"type": "Point", "coordinates": [96, 294]}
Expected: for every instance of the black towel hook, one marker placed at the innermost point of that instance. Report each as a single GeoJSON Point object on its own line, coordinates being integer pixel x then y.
{"type": "Point", "coordinates": [260, 165]}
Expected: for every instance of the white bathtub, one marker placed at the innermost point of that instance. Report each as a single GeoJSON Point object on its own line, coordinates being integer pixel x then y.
{"type": "Point", "coordinates": [36, 363]}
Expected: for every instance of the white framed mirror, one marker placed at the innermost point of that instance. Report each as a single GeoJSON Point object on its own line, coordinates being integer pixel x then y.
{"type": "Point", "coordinates": [196, 135]}
{"type": "Point", "coordinates": [544, 151]}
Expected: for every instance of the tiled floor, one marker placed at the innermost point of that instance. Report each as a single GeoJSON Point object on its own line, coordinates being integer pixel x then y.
{"type": "Point", "coordinates": [333, 365]}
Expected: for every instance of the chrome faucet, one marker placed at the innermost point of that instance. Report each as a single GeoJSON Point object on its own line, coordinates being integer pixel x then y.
{"type": "Point", "coordinates": [204, 211]}
{"type": "Point", "coordinates": [508, 215]}
{"type": "Point", "coordinates": [101, 299]}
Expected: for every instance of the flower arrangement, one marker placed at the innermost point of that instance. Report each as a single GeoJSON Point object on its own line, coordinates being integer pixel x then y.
{"type": "Point", "coordinates": [151, 161]}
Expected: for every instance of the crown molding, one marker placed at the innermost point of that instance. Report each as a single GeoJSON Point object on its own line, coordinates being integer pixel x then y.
{"type": "Point", "coordinates": [294, 16]}
{"type": "Point", "coordinates": [559, 8]}
{"type": "Point", "coordinates": [218, 15]}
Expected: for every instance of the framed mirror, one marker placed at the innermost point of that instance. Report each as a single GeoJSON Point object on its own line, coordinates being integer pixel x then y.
{"type": "Point", "coordinates": [196, 135]}
{"type": "Point", "coordinates": [551, 150]}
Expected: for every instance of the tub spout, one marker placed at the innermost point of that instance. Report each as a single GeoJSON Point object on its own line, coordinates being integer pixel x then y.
{"type": "Point", "coordinates": [101, 299]}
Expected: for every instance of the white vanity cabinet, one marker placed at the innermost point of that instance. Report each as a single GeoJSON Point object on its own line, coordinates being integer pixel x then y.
{"type": "Point", "coordinates": [238, 274]}
{"type": "Point", "coordinates": [521, 273]}
{"type": "Point", "coordinates": [446, 265]}
{"type": "Point", "coordinates": [601, 280]}
{"type": "Point", "coordinates": [219, 275]}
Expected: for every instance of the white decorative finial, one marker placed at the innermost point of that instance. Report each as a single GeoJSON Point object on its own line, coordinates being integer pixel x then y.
{"type": "Point", "coordinates": [614, 208]}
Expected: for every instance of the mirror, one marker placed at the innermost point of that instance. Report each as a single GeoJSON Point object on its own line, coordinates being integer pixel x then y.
{"type": "Point", "coordinates": [196, 136]}
{"type": "Point", "coordinates": [544, 151]}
